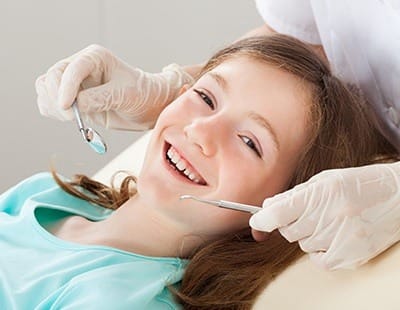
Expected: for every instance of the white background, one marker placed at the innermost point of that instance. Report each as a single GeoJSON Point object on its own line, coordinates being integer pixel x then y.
{"type": "Point", "coordinates": [148, 34]}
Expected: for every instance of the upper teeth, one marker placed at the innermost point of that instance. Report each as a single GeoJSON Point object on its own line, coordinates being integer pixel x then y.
{"type": "Point", "coordinates": [182, 165]}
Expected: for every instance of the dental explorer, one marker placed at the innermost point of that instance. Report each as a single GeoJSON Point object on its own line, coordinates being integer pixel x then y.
{"type": "Point", "coordinates": [225, 204]}
{"type": "Point", "coordinates": [89, 135]}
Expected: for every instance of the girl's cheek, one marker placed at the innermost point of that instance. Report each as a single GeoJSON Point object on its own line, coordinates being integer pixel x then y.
{"type": "Point", "coordinates": [171, 111]}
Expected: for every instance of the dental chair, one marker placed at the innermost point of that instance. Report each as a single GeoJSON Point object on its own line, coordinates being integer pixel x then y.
{"type": "Point", "coordinates": [304, 286]}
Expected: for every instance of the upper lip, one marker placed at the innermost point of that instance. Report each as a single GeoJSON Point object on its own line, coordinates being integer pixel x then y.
{"type": "Point", "coordinates": [185, 157]}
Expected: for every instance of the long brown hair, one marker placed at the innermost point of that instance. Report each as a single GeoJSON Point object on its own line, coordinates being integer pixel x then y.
{"type": "Point", "coordinates": [230, 272]}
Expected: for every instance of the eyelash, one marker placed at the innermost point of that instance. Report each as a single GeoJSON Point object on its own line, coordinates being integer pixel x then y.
{"type": "Point", "coordinates": [249, 142]}
{"type": "Point", "coordinates": [205, 98]}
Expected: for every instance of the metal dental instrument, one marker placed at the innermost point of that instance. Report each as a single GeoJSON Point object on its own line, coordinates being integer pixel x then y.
{"type": "Point", "coordinates": [89, 135]}
{"type": "Point", "coordinates": [225, 204]}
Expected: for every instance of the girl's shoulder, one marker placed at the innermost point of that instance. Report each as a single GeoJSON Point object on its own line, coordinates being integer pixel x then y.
{"type": "Point", "coordinates": [13, 198]}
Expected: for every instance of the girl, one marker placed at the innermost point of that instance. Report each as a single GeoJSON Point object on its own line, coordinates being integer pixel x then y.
{"type": "Point", "coordinates": [264, 115]}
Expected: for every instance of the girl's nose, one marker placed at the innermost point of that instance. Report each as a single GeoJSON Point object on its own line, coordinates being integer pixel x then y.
{"type": "Point", "coordinates": [207, 133]}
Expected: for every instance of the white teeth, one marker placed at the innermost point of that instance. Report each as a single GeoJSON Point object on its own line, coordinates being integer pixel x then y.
{"type": "Point", "coordinates": [175, 157]}
{"type": "Point", "coordinates": [170, 153]}
{"type": "Point", "coordinates": [181, 165]}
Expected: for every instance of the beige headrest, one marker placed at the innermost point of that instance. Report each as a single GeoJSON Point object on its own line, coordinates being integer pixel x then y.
{"type": "Point", "coordinates": [305, 286]}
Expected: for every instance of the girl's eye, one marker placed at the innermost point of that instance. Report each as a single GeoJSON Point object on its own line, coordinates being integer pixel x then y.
{"type": "Point", "coordinates": [250, 143]}
{"type": "Point", "coordinates": [205, 98]}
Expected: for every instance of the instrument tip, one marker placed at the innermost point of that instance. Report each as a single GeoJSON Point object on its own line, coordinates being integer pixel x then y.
{"type": "Point", "coordinates": [185, 197]}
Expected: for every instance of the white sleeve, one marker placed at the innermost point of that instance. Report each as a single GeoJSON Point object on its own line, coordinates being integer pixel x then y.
{"type": "Point", "coordinates": [361, 39]}
{"type": "Point", "coordinates": [291, 17]}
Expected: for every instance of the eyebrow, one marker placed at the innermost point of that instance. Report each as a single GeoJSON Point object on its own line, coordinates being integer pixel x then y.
{"type": "Point", "coordinates": [253, 115]}
{"type": "Point", "coordinates": [220, 80]}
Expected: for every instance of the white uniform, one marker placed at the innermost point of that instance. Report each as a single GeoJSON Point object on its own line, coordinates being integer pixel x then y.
{"type": "Point", "coordinates": [361, 39]}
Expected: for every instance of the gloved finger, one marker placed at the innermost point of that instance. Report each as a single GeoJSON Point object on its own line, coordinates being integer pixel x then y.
{"type": "Point", "coordinates": [321, 239]}
{"type": "Point", "coordinates": [78, 70]}
{"type": "Point", "coordinates": [326, 262]}
{"type": "Point", "coordinates": [42, 107]}
{"type": "Point", "coordinates": [39, 83]}
{"type": "Point", "coordinates": [319, 259]}
{"type": "Point", "coordinates": [316, 217]}
{"type": "Point", "coordinates": [278, 214]}
{"type": "Point", "coordinates": [53, 80]}
{"type": "Point", "coordinates": [47, 89]}
{"type": "Point", "coordinates": [281, 210]}
{"type": "Point", "coordinates": [96, 99]}
{"type": "Point", "coordinates": [303, 227]}
{"type": "Point", "coordinates": [42, 95]}
{"type": "Point", "coordinates": [52, 85]}
{"type": "Point", "coordinates": [94, 79]}
{"type": "Point", "coordinates": [259, 235]}
{"type": "Point", "coordinates": [40, 86]}
{"type": "Point", "coordinates": [45, 103]}
{"type": "Point", "coordinates": [59, 65]}
{"type": "Point", "coordinates": [346, 250]}
{"type": "Point", "coordinates": [57, 114]}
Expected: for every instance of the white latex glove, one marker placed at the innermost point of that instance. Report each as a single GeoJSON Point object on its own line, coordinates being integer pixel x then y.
{"type": "Point", "coordinates": [109, 92]}
{"type": "Point", "coordinates": [341, 217]}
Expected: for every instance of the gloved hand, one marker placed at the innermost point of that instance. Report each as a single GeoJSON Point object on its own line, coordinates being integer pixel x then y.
{"type": "Point", "coordinates": [109, 92]}
{"type": "Point", "coordinates": [341, 217]}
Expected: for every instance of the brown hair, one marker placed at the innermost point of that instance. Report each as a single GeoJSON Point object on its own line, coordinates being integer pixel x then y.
{"type": "Point", "coordinates": [230, 272]}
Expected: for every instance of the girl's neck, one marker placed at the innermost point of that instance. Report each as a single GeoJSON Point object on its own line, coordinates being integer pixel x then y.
{"type": "Point", "coordinates": [134, 227]}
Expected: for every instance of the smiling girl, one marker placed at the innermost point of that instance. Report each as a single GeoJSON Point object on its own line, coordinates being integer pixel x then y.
{"type": "Point", "coordinates": [264, 115]}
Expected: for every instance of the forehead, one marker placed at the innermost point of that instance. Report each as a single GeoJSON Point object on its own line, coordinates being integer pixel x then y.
{"type": "Point", "coordinates": [250, 74]}
{"type": "Point", "coordinates": [250, 82]}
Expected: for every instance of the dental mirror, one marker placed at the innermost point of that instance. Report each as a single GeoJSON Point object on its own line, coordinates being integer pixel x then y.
{"type": "Point", "coordinates": [91, 136]}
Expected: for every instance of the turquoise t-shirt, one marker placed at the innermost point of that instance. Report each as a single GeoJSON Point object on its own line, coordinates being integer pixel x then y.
{"type": "Point", "coordinates": [40, 271]}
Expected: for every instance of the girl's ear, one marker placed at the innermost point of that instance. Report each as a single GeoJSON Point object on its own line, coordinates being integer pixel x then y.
{"type": "Point", "coordinates": [184, 88]}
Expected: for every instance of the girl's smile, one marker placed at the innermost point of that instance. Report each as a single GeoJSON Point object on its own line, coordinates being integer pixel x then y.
{"type": "Point", "coordinates": [180, 167]}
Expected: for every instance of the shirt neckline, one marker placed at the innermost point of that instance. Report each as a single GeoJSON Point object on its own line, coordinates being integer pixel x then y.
{"type": "Point", "coordinates": [65, 244]}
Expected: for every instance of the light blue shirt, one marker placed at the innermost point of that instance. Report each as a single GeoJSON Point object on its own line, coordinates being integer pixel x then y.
{"type": "Point", "coordinates": [40, 271]}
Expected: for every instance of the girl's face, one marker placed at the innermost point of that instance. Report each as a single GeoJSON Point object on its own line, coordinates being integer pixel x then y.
{"type": "Point", "coordinates": [235, 135]}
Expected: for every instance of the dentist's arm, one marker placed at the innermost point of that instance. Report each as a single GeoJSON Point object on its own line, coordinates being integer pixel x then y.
{"type": "Point", "coordinates": [341, 217]}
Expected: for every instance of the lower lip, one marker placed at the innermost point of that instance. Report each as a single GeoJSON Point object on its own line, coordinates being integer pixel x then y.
{"type": "Point", "coordinates": [172, 169]}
